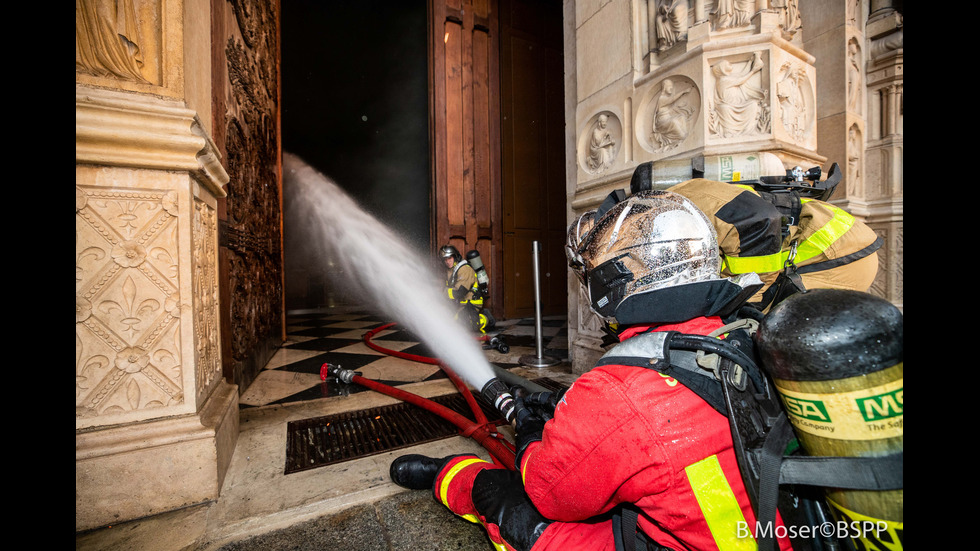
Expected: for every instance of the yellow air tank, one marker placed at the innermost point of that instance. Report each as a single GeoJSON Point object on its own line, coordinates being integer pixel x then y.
{"type": "Point", "coordinates": [835, 357]}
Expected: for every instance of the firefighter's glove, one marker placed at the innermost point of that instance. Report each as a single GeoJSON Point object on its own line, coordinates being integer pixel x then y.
{"type": "Point", "coordinates": [528, 423]}
{"type": "Point", "coordinates": [460, 294]}
{"type": "Point", "coordinates": [543, 403]}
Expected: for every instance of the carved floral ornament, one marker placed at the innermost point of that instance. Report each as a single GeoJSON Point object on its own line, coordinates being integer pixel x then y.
{"type": "Point", "coordinates": [126, 301]}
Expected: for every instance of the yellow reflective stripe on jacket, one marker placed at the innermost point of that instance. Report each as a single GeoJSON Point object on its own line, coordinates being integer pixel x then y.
{"type": "Point", "coordinates": [812, 246]}
{"type": "Point", "coordinates": [718, 504]}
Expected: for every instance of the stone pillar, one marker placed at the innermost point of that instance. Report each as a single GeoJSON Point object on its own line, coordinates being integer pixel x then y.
{"type": "Point", "coordinates": [675, 79]}
{"type": "Point", "coordinates": [881, 201]}
{"type": "Point", "coordinates": [155, 422]}
{"type": "Point", "coordinates": [858, 48]}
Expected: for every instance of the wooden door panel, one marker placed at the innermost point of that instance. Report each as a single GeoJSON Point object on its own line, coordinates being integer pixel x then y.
{"type": "Point", "coordinates": [465, 131]}
{"type": "Point", "coordinates": [245, 110]}
{"type": "Point", "coordinates": [532, 151]}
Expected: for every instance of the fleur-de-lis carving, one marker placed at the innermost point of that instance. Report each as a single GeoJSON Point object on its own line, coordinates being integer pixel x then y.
{"type": "Point", "coordinates": [129, 307]}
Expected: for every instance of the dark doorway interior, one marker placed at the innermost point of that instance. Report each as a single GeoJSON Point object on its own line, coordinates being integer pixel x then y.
{"type": "Point", "coordinates": [355, 107]}
{"type": "Point", "coordinates": [533, 154]}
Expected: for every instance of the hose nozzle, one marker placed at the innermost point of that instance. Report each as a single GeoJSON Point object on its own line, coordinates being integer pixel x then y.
{"type": "Point", "coordinates": [342, 375]}
{"type": "Point", "coordinates": [497, 393]}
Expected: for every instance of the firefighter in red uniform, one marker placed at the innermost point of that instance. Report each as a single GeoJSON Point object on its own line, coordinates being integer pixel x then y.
{"type": "Point", "coordinates": [621, 435]}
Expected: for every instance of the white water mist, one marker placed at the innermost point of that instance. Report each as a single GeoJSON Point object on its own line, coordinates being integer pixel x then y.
{"type": "Point", "coordinates": [398, 282]}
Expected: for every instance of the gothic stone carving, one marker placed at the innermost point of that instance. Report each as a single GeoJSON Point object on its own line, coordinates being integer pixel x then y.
{"type": "Point", "coordinates": [855, 162]}
{"type": "Point", "coordinates": [127, 304]}
{"type": "Point", "coordinates": [668, 114]}
{"type": "Point", "coordinates": [739, 104]}
{"type": "Point", "coordinates": [855, 82]}
{"type": "Point", "coordinates": [670, 23]}
{"type": "Point", "coordinates": [796, 103]}
{"type": "Point", "coordinates": [120, 43]}
{"type": "Point", "coordinates": [206, 342]}
{"type": "Point", "coordinates": [600, 143]}
{"type": "Point", "coordinates": [730, 14]}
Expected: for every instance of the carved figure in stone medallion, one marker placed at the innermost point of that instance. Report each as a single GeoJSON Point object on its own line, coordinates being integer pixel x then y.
{"type": "Point", "coordinates": [672, 116]}
{"type": "Point", "coordinates": [671, 23]}
{"type": "Point", "coordinates": [601, 145]}
{"type": "Point", "coordinates": [738, 102]}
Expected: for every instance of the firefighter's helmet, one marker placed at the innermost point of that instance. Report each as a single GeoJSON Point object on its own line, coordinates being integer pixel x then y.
{"type": "Point", "coordinates": [652, 258]}
{"type": "Point", "coordinates": [448, 251]}
{"type": "Point", "coordinates": [576, 234]}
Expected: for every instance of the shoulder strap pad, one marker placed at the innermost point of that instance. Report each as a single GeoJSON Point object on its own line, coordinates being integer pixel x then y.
{"type": "Point", "coordinates": [652, 351]}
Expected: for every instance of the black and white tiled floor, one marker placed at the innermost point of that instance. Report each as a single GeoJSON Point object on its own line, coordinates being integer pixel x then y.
{"type": "Point", "coordinates": [336, 337]}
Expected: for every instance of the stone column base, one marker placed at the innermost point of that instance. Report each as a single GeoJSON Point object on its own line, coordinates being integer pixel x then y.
{"type": "Point", "coordinates": [130, 471]}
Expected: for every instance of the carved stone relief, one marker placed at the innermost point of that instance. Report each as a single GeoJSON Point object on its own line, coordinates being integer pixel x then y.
{"type": "Point", "coordinates": [600, 143]}
{"type": "Point", "coordinates": [789, 14]}
{"type": "Point", "coordinates": [855, 149]}
{"type": "Point", "coordinates": [669, 22]}
{"type": "Point", "coordinates": [880, 287]}
{"type": "Point", "coordinates": [589, 322]}
{"type": "Point", "coordinates": [739, 103]}
{"type": "Point", "coordinates": [730, 14]}
{"type": "Point", "coordinates": [855, 82]}
{"type": "Point", "coordinates": [855, 15]}
{"type": "Point", "coordinates": [118, 39]}
{"type": "Point", "coordinates": [668, 115]}
{"type": "Point", "coordinates": [207, 345]}
{"type": "Point", "coordinates": [127, 302]}
{"type": "Point", "coordinates": [796, 102]}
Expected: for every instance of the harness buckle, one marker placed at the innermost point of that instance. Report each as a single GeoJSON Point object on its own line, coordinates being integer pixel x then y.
{"type": "Point", "coordinates": [791, 255]}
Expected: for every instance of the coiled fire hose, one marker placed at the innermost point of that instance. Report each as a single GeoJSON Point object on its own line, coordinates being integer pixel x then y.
{"type": "Point", "coordinates": [481, 430]}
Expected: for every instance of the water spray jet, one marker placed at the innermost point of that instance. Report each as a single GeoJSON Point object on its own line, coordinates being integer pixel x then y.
{"type": "Point", "coordinates": [389, 273]}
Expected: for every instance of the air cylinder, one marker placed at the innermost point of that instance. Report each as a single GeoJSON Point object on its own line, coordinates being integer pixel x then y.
{"type": "Point", "coordinates": [836, 359]}
{"type": "Point", "coordinates": [476, 262]}
{"type": "Point", "coordinates": [720, 168]}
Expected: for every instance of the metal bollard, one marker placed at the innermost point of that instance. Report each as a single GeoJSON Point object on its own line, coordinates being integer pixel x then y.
{"type": "Point", "coordinates": [539, 360]}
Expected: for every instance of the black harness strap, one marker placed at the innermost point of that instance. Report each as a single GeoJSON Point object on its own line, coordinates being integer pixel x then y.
{"type": "Point", "coordinates": [773, 467]}
{"type": "Point", "coordinates": [846, 259]}
{"type": "Point", "coordinates": [856, 473]}
{"type": "Point", "coordinates": [769, 467]}
{"type": "Point", "coordinates": [789, 281]}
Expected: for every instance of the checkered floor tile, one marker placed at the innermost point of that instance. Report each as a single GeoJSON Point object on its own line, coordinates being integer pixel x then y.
{"type": "Point", "coordinates": [313, 339]}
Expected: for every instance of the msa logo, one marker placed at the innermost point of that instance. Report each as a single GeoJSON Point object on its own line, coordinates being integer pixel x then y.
{"type": "Point", "coordinates": [726, 168]}
{"type": "Point", "coordinates": [882, 406]}
{"type": "Point", "coordinates": [811, 410]}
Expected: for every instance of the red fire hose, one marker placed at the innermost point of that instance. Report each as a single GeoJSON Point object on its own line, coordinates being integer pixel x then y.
{"type": "Point", "coordinates": [481, 430]}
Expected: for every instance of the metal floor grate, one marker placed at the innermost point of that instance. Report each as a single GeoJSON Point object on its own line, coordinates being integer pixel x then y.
{"type": "Point", "coordinates": [321, 441]}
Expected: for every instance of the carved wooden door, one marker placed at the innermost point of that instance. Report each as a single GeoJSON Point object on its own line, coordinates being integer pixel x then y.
{"type": "Point", "coordinates": [465, 132]}
{"type": "Point", "coordinates": [245, 103]}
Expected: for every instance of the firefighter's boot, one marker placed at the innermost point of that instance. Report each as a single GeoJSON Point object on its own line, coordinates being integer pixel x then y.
{"type": "Point", "coordinates": [417, 472]}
